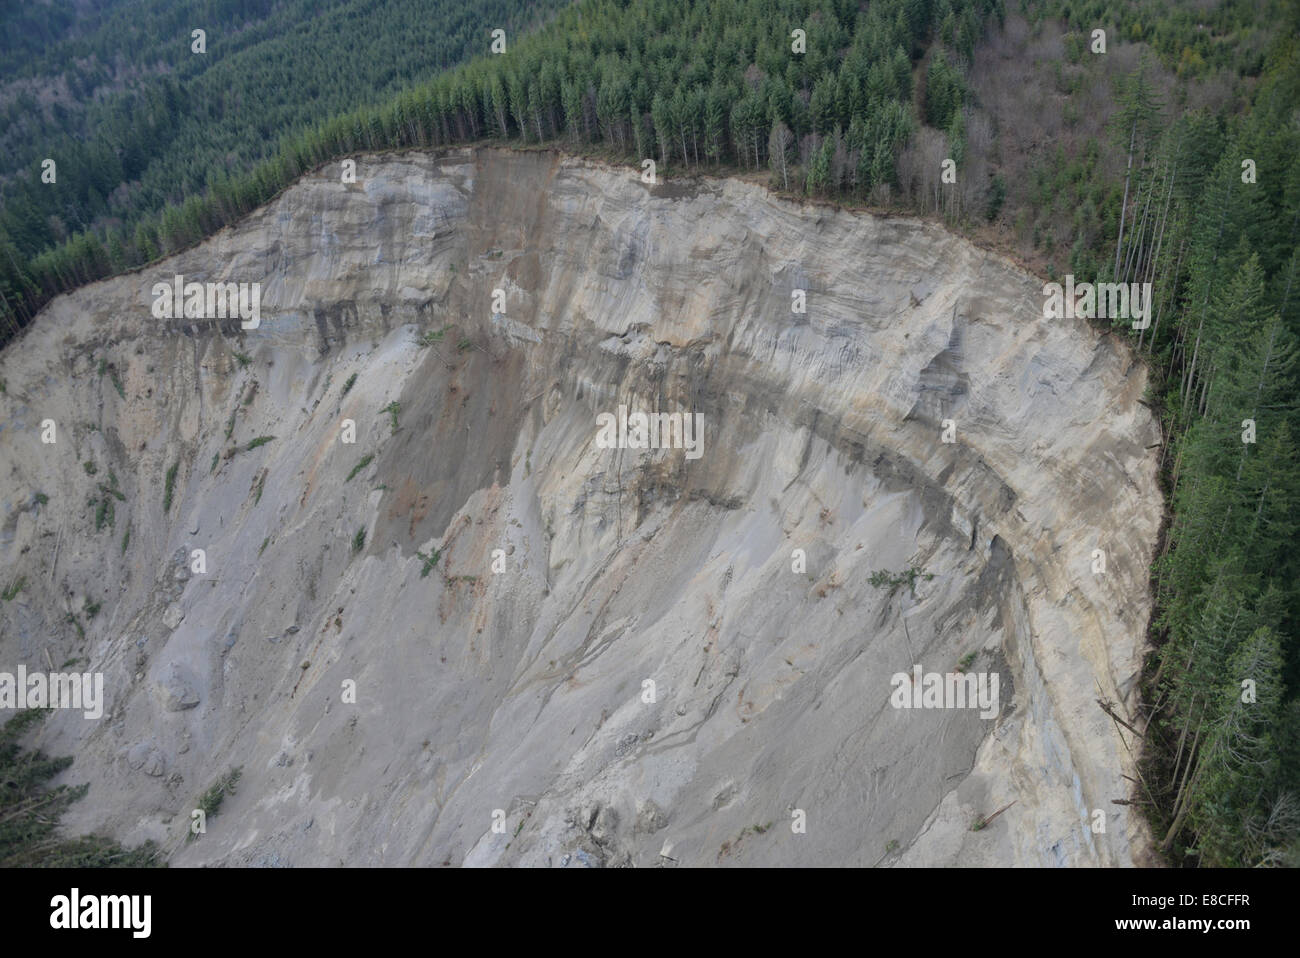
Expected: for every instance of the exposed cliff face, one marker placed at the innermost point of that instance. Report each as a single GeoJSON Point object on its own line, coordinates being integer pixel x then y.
{"type": "Point", "coordinates": [524, 690]}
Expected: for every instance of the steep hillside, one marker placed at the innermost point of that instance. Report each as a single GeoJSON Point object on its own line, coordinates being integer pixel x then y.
{"type": "Point", "coordinates": [523, 690]}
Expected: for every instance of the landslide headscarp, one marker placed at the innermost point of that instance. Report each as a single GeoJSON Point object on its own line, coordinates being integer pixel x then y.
{"type": "Point", "coordinates": [647, 665]}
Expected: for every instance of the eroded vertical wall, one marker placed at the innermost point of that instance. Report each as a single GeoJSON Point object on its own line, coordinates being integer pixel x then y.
{"type": "Point", "coordinates": [523, 690]}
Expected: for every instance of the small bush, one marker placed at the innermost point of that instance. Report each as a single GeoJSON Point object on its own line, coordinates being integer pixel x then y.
{"type": "Point", "coordinates": [243, 359]}
{"type": "Point", "coordinates": [359, 540]}
{"type": "Point", "coordinates": [14, 588]}
{"type": "Point", "coordinates": [393, 408]}
{"type": "Point", "coordinates": [432, 337]}
{"type": "Point", "coordinates": [169, 487]}
{"type": "Point", "coordinates": [210, 801]}
{"type": "Point", "coordinates": [348, 385]}
{"type": "Point", "coordinates": [92, 609]}
{"type": "Point", "coordinates": [429, 561]}
{"type": "Point", "coordinates": [112, 490]}
{"type": "Point", "coordinates": [104, 513]}
{"type": "Point", "coordinates": [259, 441]}
{"type": "Point", "coordinates": [893, 580]}
{"type": "Point", "coordinates": [42, 498]}
{"type": "Point", "coordinates": [365, 461]}
{"type": "Point", "coordinates": [90, 468]}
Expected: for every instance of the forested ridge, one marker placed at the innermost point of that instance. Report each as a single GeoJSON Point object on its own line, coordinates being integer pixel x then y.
{"type": "Point", "coordinates": [1176, 162]}
{"type": "Point", "coordinates": [137, 121]}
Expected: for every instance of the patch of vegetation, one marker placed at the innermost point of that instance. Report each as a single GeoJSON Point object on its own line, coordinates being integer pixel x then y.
{"type": "Point", "coordinates": [365, 461]}
{"type": "Point", "coordinates": [92, 609]}
{"type": "Point", "coordinates": [30, 810]}
{"type": "Point", "coordinates": [893, 580]}
{"type": "Point", "coordinates": [14, 587]}
{"type": "Point", "coordinates": [42, 498]}
{"type": "Point", "coordinates": [210, 801]}
{"type": "Point", "coordinates": [432, 337]}
{"type": "Point", "coordinates": [104, 513]}
{"type": "Point", "coordinates": [393, 408]}
{"type": "Point", "coordinates": [243, 359]}
{"type": "Point", "coordinates": [81, 632]}
{"type": "Point", "coordinates": [259, 441]}
{"type": "Point", "coordinates": [465, 344]}
{"type": "Point", "coordinates": [262, 547]}
{"type": "Point", "coordinates": [169, 487]}
{"type": "Point", "coordinates": [230, 424]}
{"type": "Point", "coordinates": [359, 540]}
{"type": "Point", "coordinates": [429, 561]}
{"type": "Point", "coordinates": [126, 539]}
{"type": "Point", "coordinates": [216, 456]}
{"type": "Point", "coordinates": [112, 489]}
{"type": "Point", "coordinates": [351, 380]}
{"type": "Point", "coordinates": [965, 661]}
{"type": "Point", "coordinates": [733, 844]}
{"type": "Point", "coordinates": [261, 483]}
{"type": "Point", "coordinates": [112, 374]}
{"type": "Point", "coordinates": [90, 467]}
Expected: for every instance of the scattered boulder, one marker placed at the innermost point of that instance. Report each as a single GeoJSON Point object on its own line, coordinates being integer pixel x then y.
{"type": "Point", "coordinates": [603, 825]}
{"type": "Point", "coordinates": [146, 757]}
{"type": "Point", "coordinates": [650, 818]}
{"type": "Point", "coordinates": [173, 616]}
{"type": "Point", "coordinates": [178, 689]}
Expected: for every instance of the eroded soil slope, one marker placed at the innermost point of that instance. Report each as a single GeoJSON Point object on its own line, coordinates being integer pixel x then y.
{"type": "Point", "coordinates": [524, 691]}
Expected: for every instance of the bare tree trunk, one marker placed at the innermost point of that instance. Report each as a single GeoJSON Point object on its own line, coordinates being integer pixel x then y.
{"type": "Point", "coordinates": [1180, 803]}
{"type": "Point", "coordinates": [1135, 246]}
{"type": "Point", "coordinates": [1119, 242]}
{"type": "Point", "coordinates": [1172, 298]}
